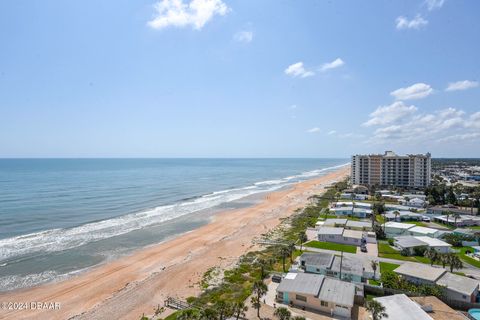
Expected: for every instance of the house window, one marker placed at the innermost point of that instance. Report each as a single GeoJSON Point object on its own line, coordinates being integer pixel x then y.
{"type": "Point", "coordinates": [318, 270]}
{"type": "Point", "coordinates": [301, 298]}
{"type": "Point", "coordinates": [331, 237]}
{"type": "Point", "coordinates": [323, 303]}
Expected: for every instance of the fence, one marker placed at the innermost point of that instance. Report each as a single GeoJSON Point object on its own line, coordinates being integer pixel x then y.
{"type": "Point", "coordinates": [176, 304]}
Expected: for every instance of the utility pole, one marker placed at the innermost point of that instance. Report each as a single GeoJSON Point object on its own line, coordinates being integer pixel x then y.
{"type": "Point", "coordinates": [341, 262]}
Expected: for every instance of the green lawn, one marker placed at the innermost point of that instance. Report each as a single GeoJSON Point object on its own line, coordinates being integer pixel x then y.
{"type": "Point", "coordinates": [418, 223]}
{"type": "Point", "coordinates": [328, 216]}
{"type": "Point", "coordinates": [385, 251]}
{"type": "Point", "coordinates": [331, 246]}
{"type": "Point", "coordinates": [374, 282]}
{"type": "Point", "coordinates": [385, 266]}
{"type": "Point", "coordinates": [465, 258]}
{"type": "Point", "coordinates": [474, 227]}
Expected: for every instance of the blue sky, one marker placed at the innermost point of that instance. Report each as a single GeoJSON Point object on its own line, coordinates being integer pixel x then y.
{"type": "Point", "coordinates": [222, 78]}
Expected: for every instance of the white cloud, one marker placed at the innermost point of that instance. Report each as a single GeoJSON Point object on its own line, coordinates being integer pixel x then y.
{"type": "Point", "coordinates": [461, 85]}
{"type": "Point", "coordinates": [243, 36]}
{"type": "Point", "coordinates": [434, 4]}
{"type": "Point", "coordinates": [293, 106]}
{"type": "Point", "coordinates": [196, 13]}
{"type": "Point", "coordinates": [446, 125]}
{"type": "Point", "coordinates": [416, 91]}
{"type": "Point", "coordinates": [415, 23]}
{"type": "Point", "coordinates": [331, 132]}
{"type": "Point", "coordinates": [298, 70]}
{"type": "Point", "coordinates": [332, 65]}
{"type": "Point", "coordinates": [313, 130]}
{"type": "Point", "coordinates": [388, 114]}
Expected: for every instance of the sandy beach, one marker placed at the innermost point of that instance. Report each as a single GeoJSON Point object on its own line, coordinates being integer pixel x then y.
{"type": "Point", "coordinates": [136, 284]}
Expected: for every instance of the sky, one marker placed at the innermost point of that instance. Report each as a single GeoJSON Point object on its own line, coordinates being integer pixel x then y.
{"type": "Point", "coordinates": [239, 78]}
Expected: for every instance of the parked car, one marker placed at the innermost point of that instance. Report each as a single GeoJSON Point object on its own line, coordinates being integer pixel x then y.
{"type": "Point", "coordinates": [276, 278]}
{"type": "Point", "coordinates": [426, 219]}
{"type": "Point", "coordinates": [363, 248]}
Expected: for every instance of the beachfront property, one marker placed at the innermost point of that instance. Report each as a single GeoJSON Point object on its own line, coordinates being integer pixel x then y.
{"type": "Point", "coordinates": [345, 236]}
{"type": "Point", "coordinates": [456, 287]}
{"type": "Point", "coordinates": [451, 209]}
{"type": "Point", "coordinates": [350, 208]}
{"type": "Point", "coordinates": [410, 243]}
{"type": "Point", "coordinates": [401, 307]}
{"type": "Point", "coordinates": [390, 169]}
{"type": "Point", "coordinates": [317, 292]}
{"type": "Point", "coordinates": [348, 268]}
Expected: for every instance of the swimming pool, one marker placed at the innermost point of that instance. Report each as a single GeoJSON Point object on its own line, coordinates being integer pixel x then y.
{"type": "Point", "coordinates": [474, 313]}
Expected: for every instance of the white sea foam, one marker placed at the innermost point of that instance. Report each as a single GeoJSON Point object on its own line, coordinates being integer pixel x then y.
{"type": "Point", "coordinates": [54, 240]}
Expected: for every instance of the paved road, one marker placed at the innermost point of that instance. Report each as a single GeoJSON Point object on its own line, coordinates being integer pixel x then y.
{"type": "Point", "coordinates": [467, 269]}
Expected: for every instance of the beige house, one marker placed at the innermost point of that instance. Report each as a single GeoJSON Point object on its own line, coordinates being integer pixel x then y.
{"type": "Point", "coordinates": [317, 292]}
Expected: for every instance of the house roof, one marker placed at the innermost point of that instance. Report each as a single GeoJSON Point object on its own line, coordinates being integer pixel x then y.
{"type": "Point", "coordinates": [330, 230]}
{"type": "Point", "coordinates": [409, 242]}
{"type": "Point", "coordinates": [356, 234]}
{"type": "Point", "coordinates": [458, 283]}
{"type": "Point", "coordinates": [331, 222]}
{"type": "Point", "coordinates": [350, 265]}
{"type": "Point", "coordinates": [318, 259]}
{"type": "Point", "coordinates": [359, 224]}
{"type": "Point", "coordinates": [433, 242]}
{"type": "Point", "coordinates": [398, 225]}
{"type": "Point", "coordinates": [339, 292]}
{"type": "Point", "coordinates": [400, 307]}
{"type": "Point", "coordinates": [305, 283]}
{"type": "Point", "coordinates": [423, 230]}
{"type": "Point", "coordinates": [420, 271]}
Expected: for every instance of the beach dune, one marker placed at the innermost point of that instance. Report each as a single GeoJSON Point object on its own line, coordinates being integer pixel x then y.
{"type": "Point", "coordinates": [138, 283]}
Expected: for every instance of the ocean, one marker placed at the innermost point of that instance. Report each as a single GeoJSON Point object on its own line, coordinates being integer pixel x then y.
{"type": "Point", "coordinates": [60, 217]}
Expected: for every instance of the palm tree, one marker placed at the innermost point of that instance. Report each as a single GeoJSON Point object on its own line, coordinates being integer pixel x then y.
{"type": "Point", "coordinates": [291, 250]}
{"type": "Point", "coordinates": [455, 217]}
{"type": "Point", "coordinates": [189, 314]}
{"type": "Point", "coordinates": [396, 213]}
{"type": "Point", "coordinates": [454, 261]}
{"type": "Point", "coordinates": [240, 309]}
{"type": "Point", "coordinates": [282, 313]}
{"type": "Point", "coordinates": [259, 289]}
{"type": "Point", "coordinates": [208, 313]}
{"type": "Point", "coordinates": [444, 259]}
{"type": "Point", "coordinates": [431, 254]}
{"type": "Point", "coordinates": [302, 237]}
{"type": "Point", "coordinates": [262, 263]}
{"type": "Point", "coordinates": [374, 265]}
{"type": "Point", "coordinates": [284, 252]}
{"type": "Point", "coordinates": [224, 309]}
{"type": "Point", "coordinates": [448, 213]}
{"type": "Point", "coordinates": [377, 310]}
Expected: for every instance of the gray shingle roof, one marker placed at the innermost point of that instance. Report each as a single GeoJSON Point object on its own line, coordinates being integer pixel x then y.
{"type": "Point", "coordinates": [420, 271]}
{"type": "Point", "coordinates": [305, 283]}
{"type": "Point", "coordinates": [339, 292]}
{"type": "Point", "coordinates": [458, 283]}
{"type": "Point", "coordinates": [350, 265]}
{"type": "Point", "coordinates": [400, 307]}
{"type": "Point", "coordinates": [317, 259]}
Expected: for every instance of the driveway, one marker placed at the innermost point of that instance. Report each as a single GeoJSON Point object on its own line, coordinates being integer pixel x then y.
{"type": "Point", "coordinates": [372, 250]}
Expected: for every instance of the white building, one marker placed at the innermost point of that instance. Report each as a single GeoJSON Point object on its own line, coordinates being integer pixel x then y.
{"type": "Point", "coordinates": [393, 229]}
{"type": "Point", "coordinates": [424, 231]}
{"type": "Point", "coordinates": [401, 307]}
{"type": "Point", "coordinates": [410, 243]}
{"type": "Point", "coordinates": [343, 236]}
{"type": "Point", "coordinates": [390, 169]}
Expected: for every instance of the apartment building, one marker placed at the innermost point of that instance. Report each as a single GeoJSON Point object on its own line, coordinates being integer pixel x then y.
{"type": "Point", "coordinates": [390, 169]}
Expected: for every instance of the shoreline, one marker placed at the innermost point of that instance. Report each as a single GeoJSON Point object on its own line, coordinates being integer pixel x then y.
{"type": "Point", "coordinates": [135, 284]}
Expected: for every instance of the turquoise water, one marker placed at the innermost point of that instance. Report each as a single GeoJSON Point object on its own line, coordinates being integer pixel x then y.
{"type": "Point", "coordinates": [474, 313]}
{"type": "Point", "coordinates": [62, 216]}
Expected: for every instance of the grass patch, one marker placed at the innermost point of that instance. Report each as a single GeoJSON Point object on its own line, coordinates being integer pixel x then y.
{"type": "Point", "coordinates": [386, 251]}
{"type": "Point", "coordinates": [173, 316]}
{"type": "Point", "coordinates": [374, 282]}
{"type": "Point", "coordinates": [386, 266]}
{"type": "Point", "coordinates": [331, 246]}
{"type": "Point", "coordinates": [465, 258]}
{"type": "Point", "coordinates": [417, 223]}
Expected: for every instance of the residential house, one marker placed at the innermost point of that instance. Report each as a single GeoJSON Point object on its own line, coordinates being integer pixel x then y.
{"type": "Point", "coordinates": [341, 235]}
{"type": "Point", "coordinates": [401, 307]}
{"type": "Point", "coordinates": [424, 231]}
{"type": "Point", "coordinates": [317, 292]}
{"type": "Point", "coordinates": [359, 225]}
{"type": "Point", "coordinates": [456, 287]}
{"type": "Point", "coordinates": [410, 243]}
{"type": "Point", "coordinates": [393, 229]}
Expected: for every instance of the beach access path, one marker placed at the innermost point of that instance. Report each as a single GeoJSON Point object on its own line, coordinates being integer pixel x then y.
{"type": "Point", "coordinates": [136, 284]}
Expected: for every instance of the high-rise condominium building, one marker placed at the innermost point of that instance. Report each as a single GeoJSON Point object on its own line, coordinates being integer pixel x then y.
{"type": "Point", "coordinates": [390, 169]}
